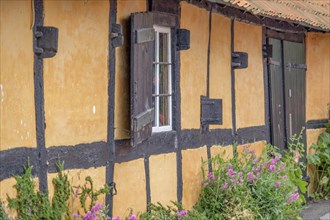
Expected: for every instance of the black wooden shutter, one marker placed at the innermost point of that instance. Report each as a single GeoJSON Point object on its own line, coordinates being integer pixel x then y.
{"type": "Point", "coordinates": [142, 46]}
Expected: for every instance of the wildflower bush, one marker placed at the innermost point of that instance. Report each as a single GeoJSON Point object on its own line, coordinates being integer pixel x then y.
{"type": "Point", "coordinates": [247, 187]}
{"type": "Point", "coordinates": [320, 162]}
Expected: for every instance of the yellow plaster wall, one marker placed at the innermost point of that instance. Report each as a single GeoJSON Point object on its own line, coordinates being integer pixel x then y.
{"type": "Point", "coordinates": [122, 92]}
{"type": "Point", "coordinates": [220, 63]}
{"type": "Point", "coordinates": [193, 67]}
{"type": "Point", "coordinates": [258, 147]}
{"type": "Point", "coordinates": [76, 78]}
{"type": "Point", "coordinates": [317, 76]}
{"type": "Point", "coordinates": [6, 187]}
{"type": "Point", "coordinates": [77, 178]}
{"type": "Point", "coordinates": [17, 115]}
{"type": "Point", "coordinates": [249, 82]}
{"type": "Point", "coordinates": [163, 178]}
{"type": "Point", "coordinates": [311, 138]}
{"type": "Point", "coordinates": [131, 188]}
{"type": "Point", "coordinates": [192, 175]}
{"type": "Point", "coordinates": [226, 152]}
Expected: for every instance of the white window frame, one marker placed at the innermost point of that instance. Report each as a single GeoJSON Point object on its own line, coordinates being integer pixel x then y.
{"type": "Point", "coordinates": [157, 128]}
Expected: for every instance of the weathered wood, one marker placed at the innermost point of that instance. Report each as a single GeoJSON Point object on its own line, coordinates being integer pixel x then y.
{"type": "Point", "coordinates": [141, 76]}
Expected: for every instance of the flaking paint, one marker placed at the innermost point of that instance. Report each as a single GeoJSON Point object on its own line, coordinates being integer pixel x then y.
{"type": "Point", "coordinates": [131, 187]}
{"type": "Point", "coordinates": [75, 80]}
{"type": "Point", "coordinates": [249, 82]}
{"type": "Point", "coordinates": [17, 114]}
{"type": "Point", "coordinates": [122, 92]}
{"type": "Point", "coordinates": [317, 76]}
{"type": "Point", "coordinates": [163, 178]}
{"type": "Point", "coordinates": [193, 67]}
{"type": "Point", "coordinates": [192, 175]}
{"type": "Point", "coordinates": [220, 62]}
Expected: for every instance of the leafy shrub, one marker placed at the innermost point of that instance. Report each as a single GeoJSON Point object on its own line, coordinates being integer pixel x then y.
{"type": "Point", "coordinates": [321, 162]}
{"type": "Point", "coordinates": [30, 204]}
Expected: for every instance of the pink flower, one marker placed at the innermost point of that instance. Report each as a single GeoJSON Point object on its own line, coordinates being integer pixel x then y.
{"type": "Point", "coordinates": [206, 183]}
{"type": "Point", "coordinates": [116, 218]}
{"type": "Point", "coordinates": [211, 176]}
{"type": "Point", "coordinates": [241, 179]}
{"type": "Point", "coordinates": [255, 161]}
{"type": "Point", "coordinates": [277, 184]}
{"type": "Point", "coordinates": [90, 216]}
{"type": "Point", "coordinates": [96, 207]}
{"type": "Point", "coordinates": [258, 168]}
{"type": "Point", "coordinates": [181, 213]}
{"type": "Point", "coordinates": [224, 185]}
{"type": "Point", "coordinates": [132, 217]}
{"type": "Point", "coordinates": [296, 156]}
{"type": "Point", "coordinates": [250, 177]}
{"type": "Point", "coordinates": [258, 174]}
{"type": "Point", "coordinates": [271, 167]}
{"type": "Point", "coordinates": [76, 194]}
{"type": "Point", "coordinates": [293, 197]}
{"type": "Point", "coordinates": [230, 171]}
{"type": "Point", "coordinates": [76, 215]}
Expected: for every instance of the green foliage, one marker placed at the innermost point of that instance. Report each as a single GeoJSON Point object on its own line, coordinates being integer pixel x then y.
{"type": "Point", "coordinates": [3, 214]}
{"type": "Point", "coordinates": [28, 202]}
{"type": "Point", "coordinates": [61, 196]}
{"type": "Point", "coordinates": [87, 191]}
{"type": "Point", "coordinates": [321, 162]}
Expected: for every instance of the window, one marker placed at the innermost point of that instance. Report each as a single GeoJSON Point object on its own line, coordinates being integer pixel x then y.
{"type": "Point", "coordinates": [162, 88]}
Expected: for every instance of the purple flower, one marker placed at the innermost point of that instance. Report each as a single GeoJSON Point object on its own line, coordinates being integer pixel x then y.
{"type": "Point", "coordinates": [240, 173]}
{"type": "Point", "coordinates": [229, 165]}
{"type": "Point", "coordinates": [277, 184]}
{"type": "Point", "coordinates": [88, 216]}
{"type": "Point", "coordinates": [258, 174]}
{"type": "Point", "coordinates": [76, 215]}
{"type": "Point", "coordinates": [224, 185]}
{"type": "Point", "coordinates": [274, 160]}
{"type": "Point", "coordinates": [96, 207]}
{"type": "Point", "coordinates": [271, 167]}
{"type": "Point", "coordinates": [285, 177]}
{"type": "Point", "coordinates": [206, 183]}
{"type": "Point", "coordinates": [230, 171]}
{"type": "Point", "coordinates": [181, 213]}
{"type": "Point", "coordinates": [211, 176]}
{"type": "Point", "coordinates": [255, 161]}
{"type": "Point", "coordinates": [293, 197]}
{"type": "Point", "coordinates": [132, 217]}
{"type": "Point", "coordinates": [241, 179]}
{"type": "Point", "coordinates": [253, 151]}
{"type": "Point", "coordinates": [116, 218]}
{"type": "Point", "coordinates": [76, 194]}
{"type": "Point", "coordinates": [250, 177]}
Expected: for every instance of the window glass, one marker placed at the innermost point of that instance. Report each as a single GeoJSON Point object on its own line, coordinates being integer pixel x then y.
{"type": "Point", "coordinates": [162, 97]}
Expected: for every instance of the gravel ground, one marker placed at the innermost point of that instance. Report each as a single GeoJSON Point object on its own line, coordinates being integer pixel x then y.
{"type": "Point", "coordinates": [317, 211]}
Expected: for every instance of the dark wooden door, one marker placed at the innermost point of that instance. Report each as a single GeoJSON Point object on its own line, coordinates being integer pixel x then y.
{"type": "Point", "coordinates": [287, 75]}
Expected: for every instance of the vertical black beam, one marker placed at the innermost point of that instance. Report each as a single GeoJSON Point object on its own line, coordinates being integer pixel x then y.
{"type": "Point", "coordinates": [208, 80]}
{"type": "Point", "coordinates": [177, 107]}
{"type": "Point", "coordinates": [266, 85]}
{"type": "Point", "coordinates": [39, 101]}
{"type": "Point", "coordinates": [111, 104]}
{"type": "Point", "coordinates": [147, 175]}
{"type": "Point", "coordinates": [233, 98]}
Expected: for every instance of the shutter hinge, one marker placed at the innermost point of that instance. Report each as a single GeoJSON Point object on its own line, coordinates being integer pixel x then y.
{"type": "Point", "coordinates": [46, 41]}
{"type": "Point", "coordinates": [116, 35]}
{"type": "Point", "coordinates": [239, 60]}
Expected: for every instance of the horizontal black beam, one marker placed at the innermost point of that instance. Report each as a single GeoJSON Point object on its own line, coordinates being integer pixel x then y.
{"type": "Point", "coordinates": [315, 124]}
{"type": "Point", "coordinates": [96, 154]}
{"type": "Point", "coordinates": [12, 161]}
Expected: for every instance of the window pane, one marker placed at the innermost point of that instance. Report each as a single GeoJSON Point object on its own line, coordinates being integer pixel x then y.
{"type": "Point", "coordinates": [164, 110]}
{"type": "Point", "coordinates": [163, 47]}
{"type": "Point", "coordinates": [163, 79]}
